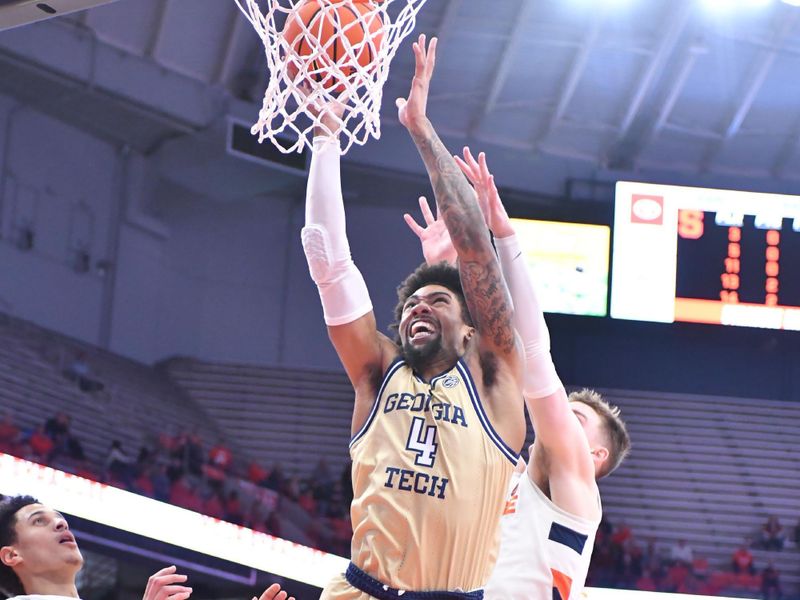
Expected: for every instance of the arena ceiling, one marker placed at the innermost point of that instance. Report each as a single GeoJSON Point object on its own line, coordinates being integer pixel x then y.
{"type": "Point", "coordinates": [697, 91]}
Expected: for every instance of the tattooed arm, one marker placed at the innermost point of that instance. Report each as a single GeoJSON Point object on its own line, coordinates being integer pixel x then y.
{"type": "Point", "coordinates": [485, 291]}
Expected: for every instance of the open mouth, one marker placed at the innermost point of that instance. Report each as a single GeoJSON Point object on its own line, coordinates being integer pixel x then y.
{"type": "Point", "coordinates": [67, 538]}
{"type": "Point", "coordinates": [421, 331]}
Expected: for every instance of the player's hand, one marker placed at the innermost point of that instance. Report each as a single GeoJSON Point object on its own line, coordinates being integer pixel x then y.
{"type": "Point", "coordinates": [436, 243]}
{"type": "Point", "coordinates": [274, 592]}
{"type": "Point", "coordinates": [165, 585]}
{"type": "Point", "coordinates": [330, 113]}
{"type": "Point", "coordinates": [477, 171]}
{"type": "Point", "coordinates": [412, 110]}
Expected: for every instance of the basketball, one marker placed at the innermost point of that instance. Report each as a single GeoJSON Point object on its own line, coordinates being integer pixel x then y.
{"type": "Point", "coordinates": [324, 33]}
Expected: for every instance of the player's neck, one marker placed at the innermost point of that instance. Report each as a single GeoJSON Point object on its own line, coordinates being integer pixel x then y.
{"type": "Point", "coordinates": [437, 366]}
{"type": "Point", "coordinates": [50, 584]}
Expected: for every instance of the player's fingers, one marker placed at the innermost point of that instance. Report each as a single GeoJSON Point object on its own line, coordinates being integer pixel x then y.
{"type": "Point", "coordinates": [152, 581]}
{"type": "Point", "coordinates": [270, 592]}
{"type": "Point", "coordinates": [431, 58]}
{"type": "Point", "coordinates": [164, 571]}
{"type": "Point", "coordinates": [281, 596]}
{"type": "Point", "coordinates": [180, 596]}
{"type": "Point", "coordinates": [465, 168]}
{"type": "Point", "coordinates": [495, 194]}
{"type": "Point", "coordinates": [169, 590]}
{"type": "Point", "coordinates": [419, 55]}
{"type": "Point", "coordinates": [163, 580]}
{"type": "Point", "coordinates": [413, 225]}
{"type": "Point", "coordinates": [473, 164]}
{"type": "Point", "coordinates": [484, 167]}
{"type": "Point", "coordinates": [426, 210]}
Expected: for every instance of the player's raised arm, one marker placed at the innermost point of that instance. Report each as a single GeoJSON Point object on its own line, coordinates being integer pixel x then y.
{"type": "Point", "coordinates": [346, 304]}
{"type": "Point", "coordinates": [484, 289]}
{"type": "Point", "coordinates": [557, 427]}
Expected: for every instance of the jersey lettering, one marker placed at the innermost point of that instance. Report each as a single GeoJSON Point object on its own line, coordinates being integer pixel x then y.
{"type": "Point", "coordinates": [441, 411]}
{"type": "Point", "coordinates": [422, 441]}
{"type": "Point", "coordinates": [511, 503]}
{"type": "Point", "coordinates": [417, 482]}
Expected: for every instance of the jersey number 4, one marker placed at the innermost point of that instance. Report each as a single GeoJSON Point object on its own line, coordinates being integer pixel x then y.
{"type": "Point", "coordinates": [422, 441]}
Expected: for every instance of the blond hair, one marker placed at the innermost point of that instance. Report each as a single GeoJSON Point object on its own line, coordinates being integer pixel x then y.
{"type": "Point", "coordinates": [617, 438]}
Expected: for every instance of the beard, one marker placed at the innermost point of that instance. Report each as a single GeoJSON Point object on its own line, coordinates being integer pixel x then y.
{"type": "Point", "coordinates": [417, 357]}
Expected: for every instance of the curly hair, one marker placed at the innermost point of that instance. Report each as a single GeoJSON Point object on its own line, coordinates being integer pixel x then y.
{"type": "Point", "coordinates": [441, 274]}
{"type": "Point", "coordinates": [10, 585]}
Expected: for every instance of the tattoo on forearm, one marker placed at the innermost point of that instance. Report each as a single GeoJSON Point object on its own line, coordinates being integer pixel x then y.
{"type": "Point", "coordinates": [484, 288]}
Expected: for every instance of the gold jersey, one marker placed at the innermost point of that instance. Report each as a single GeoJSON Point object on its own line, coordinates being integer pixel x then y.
{"type": "Point", "coordinates": [430, 476]}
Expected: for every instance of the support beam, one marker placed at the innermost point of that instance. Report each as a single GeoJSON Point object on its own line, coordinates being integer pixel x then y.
{"type": "Point", "coordinates": [680, 11]}
{"type": "Point", "coordinates": [151, 50]}
{"type": "Point", "coordinates": [225, 65]}
{"type": "Point", "coordinates": [626, 152]}
{"type": "Point", "coordinates": [501, 72]}
{"type": "Point", "coordinates": [448, 19]}
{"type": "Point", "coordinates": [573, 78]}
{"type": "Point", "coordinates": [758, 74]}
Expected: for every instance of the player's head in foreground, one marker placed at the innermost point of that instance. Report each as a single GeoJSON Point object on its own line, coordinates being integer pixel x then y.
{"type": "Point", "coordinates": [38, 553]}
{"type": "Point", "coordinates": [431, 316]}
{"type": "Point", "coordinates": [608, 437]}
{"type": "Point", "coordinates": [39, 556]}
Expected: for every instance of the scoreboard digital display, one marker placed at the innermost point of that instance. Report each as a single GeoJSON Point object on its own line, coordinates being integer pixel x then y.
{"type": "Point", "coordinates": [706, 256]}
{"type": "Point", "coordinates": [568, 263]}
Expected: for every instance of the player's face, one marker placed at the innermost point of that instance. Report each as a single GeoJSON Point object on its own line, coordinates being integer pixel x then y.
{"type": "Point", "coordinates": [592, 425]}
{"type": "Point", "coordinates": [44, 544]}
{"type": "Point", "coordinates": [431, 321]}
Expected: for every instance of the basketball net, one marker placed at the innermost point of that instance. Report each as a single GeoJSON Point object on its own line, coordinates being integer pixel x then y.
{"type": "Point", "coordinates": [300, 85]}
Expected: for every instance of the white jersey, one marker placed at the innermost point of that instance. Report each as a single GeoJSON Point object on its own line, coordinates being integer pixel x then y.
{"type": "Point", "coordinates": [544, 550]}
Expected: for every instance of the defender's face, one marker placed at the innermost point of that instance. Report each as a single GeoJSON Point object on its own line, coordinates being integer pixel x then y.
{"type": "Point", "coordinates": [590, 421]}
{"type": "Point", "coordinates": [431, 316]}
{"type": "Point", "coordinates": [44, 543]}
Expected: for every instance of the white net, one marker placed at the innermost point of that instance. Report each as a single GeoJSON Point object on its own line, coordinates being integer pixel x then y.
{"type": "Point", "coordinates": [325, 51]}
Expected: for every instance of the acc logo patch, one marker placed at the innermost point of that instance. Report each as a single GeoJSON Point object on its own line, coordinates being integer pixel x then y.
{"type": "Point", "coordinates": [450, 381]}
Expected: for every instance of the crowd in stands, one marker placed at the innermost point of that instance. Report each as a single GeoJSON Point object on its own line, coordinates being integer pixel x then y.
{"type": "Point", "coordinates": [178, 469]}
{"type": "Point", "coordinates": [622, 561]}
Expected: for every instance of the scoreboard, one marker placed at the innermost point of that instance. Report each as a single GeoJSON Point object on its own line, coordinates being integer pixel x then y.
{"type": "Point", "coordinates": [568, 263]}
{"type": "Point", "coordinates": [706, 256]}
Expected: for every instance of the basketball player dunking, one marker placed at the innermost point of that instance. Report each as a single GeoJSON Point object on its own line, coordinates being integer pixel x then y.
{"type": "Point", "coordinates": [553, 511]}
{"type": "Point", "coordinates": [438, 417]}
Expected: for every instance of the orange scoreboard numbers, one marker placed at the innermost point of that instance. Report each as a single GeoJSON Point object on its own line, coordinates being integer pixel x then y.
{"type": "Point", "coordinates": [691, 224]}
{"type": "Point", "coordinates": [730, 278]}
{"type": "Point", "coordinates": [772, 268]}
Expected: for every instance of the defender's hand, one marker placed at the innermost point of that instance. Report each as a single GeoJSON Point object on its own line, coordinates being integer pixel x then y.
{"type": "Point", "coordinates": [164, 585]}
{"type": "Point", "coordinates": [436, 243]}
{"type": "Point", "coordinates": [412, 110]}
{"type": "Point", "coordinates": [274, 592]}
{"type": "Point", "coordinates": [477, 171]}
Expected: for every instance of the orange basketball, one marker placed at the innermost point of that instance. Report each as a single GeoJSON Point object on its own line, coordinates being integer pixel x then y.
{"type": "Point", "coordinates": [318, 29]}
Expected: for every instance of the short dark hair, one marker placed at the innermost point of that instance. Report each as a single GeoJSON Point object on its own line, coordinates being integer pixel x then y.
{"type": "Point", "coordinates": [619, 442]}
{"type": "Point", "coordinates": [10, 585]}
{"type": "Point", "coordinates": [441, 274]}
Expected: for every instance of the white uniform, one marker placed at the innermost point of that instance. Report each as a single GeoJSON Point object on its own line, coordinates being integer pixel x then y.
{"type": "Point", "coordinates": [544, 551]}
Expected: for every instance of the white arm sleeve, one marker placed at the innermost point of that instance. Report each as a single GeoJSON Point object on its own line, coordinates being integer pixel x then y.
{"type": "Point", "coordinates": [541, 378]}
{"type": "Point", "coordinates": [341, 286]}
